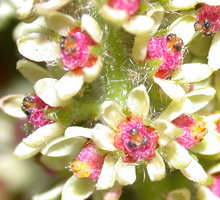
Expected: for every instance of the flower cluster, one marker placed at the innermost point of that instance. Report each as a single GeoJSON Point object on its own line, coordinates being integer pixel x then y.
{"type": "Point", "coordinates": [90, 122]}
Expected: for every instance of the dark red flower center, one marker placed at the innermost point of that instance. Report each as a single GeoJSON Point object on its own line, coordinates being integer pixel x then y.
{"type": "Point", "coordinates": [194, 130]}
{"type": "Point", "coordinates": [208, 19]}
{"type": "Point", "coordinates": [88, 163]}
{"type": "Point", "coordinates": [168, 49]}
{"type": "Point", "coordinates": [35, 109]}
{"type": "Point", "coordinates": [74, 50]}
{"type": "Point", "coordinates": [137, 141]}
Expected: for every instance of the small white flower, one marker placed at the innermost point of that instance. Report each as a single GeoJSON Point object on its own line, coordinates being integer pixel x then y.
{"type": "Point", "coordinates": [73, 50]}
{"type": "Point", "coordinates": [130, 142]}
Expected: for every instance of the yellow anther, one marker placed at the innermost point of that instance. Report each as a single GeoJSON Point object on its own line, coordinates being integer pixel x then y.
{"type": "Point", "coordinates": [81, 169]}
{"type": "Point", "coordinates": [199, 130]}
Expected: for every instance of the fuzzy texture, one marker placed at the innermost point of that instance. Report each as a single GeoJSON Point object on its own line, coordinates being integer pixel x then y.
{"type": "Point", "coordinates": [184, 121]}
{"type": "Point", "coordinates": [215, 186]}
{"type": "Point", "coordinates": [38, 119]}
{"type": "Point", "coordinates": [193, 131]}
{"type": "Point", "coordinates": [88, 163]}
{"type": "Point", "coordinates": [210, 14]}
{"type": "Point", "coordinates": [138, 141]}
{"type": "Point", "coordinates": [159, 48]}
{"type": "Point", "coordinates": [186, 139]}
{"type": "Point", "coordinates": [131, 6]}
{"type": "Point", "coordinates": [35, 109]}
{"type": "Point", "coordinates": [74, 50]}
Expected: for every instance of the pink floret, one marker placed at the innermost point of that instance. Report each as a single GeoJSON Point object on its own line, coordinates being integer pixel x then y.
{"type": "Point", "coordinates": [158, 49]}
{"type": "Point", "coordinates": [184, 121]}
{"type": "Point", "coordinates": [186, 139]}
{"type": "Point", "coordinates": [38, 119]}
{"type": "Point", "coordinates": [212, 14]}
{"type": "Point", "coordinates": [90, 155]}
{"type": "Point", "coordinates": [81, 54]}
{"type": "Point", "coordinates": [215, 187]}
{"type": "Point", "coordinates": [142, 146]}
{"type": "Point", "coordinates": [131, 6]}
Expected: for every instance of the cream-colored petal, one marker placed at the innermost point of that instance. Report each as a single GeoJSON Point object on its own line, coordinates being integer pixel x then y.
{"type": "Point", "coordinates": [77, 189]}
{"type": "Point", "coordinates": [60, 23]}
{"type": "Point", "coordinates": [156, 12]}
{"type": "Point", "coordinates": [38, 47]}
{"type": "Point", "coordinates": [56, 163]}
{"type": "Point", "coordinates": [91, 73]}
{"type": "Point", "coordinates": [69, 85]}
{"type": "Point", "coordinates": [210, 2]}
{"type": "Point", "coordinates": [31, 71]}
{"type": "Point", "coordinates": [113, 15]}
{"type": "Point", "coordinates": [139, 102]}
{"type": "Point", "coordinates": [171, 88]}
{"type": "Point", "coordinates": [51, 194]}
{"type": "Point", "coordinates": [156, 168]}
{"type": "Point", "coordinates": [214, 169]}
{"type": "Point", "coordinates": [175, 109]}
{"type": "Point", "coordinates": [77, 131]}
{"type": "Point", "coordinates": [180, 194]}
{"type": "Point", "coordinates": [43, 135]}
{"type": "Point", "coordinates": [200, 98]}
{"type": "Point", "coordinates": [139, 50]}
{"type": "Point", "coordinates": [176, 156]}
{"type": "Point", "coordinates": [112, 114]}
{"type": "Point", "coordinates": [199, 46]}
{"type": "Point", "coordinates": [195, 172]}
{"type": "Point", "coordinates": [213, 60]}
{"type": "Point", "coordinates": [22, 151]}
{"type": "Point", "coordinates": [63, 146]}
{"type": "Point", "coordinates": [181, 5]}
{"type": "Point", "coordinates": [192, 72]}
{"type": "Point", "coordinates": [24, 8]}
{"type": "Point", "coordinates": [167, 131]}
{"type": "Point", "coordinates": [103, 137]}
{"type": "Point", "coordinates": [11, 105]}
{"type": "Point", "coordinates": [204, 193]}
{"type": "Point", "coordinates": [91, 27]}
{"type": "Point", "coordinates": [45, 89]}
{"type": "Point", "coordinates": [108, 173]}
{"type": "Point", "coordinates": [135, 25]}
{"type": "Point", "coordinates": [24, 28]}
{"type": "Point", "coordinates": [187, 23]}
{"type": "Point", "coordinates": [44, 8]}
{"type": "Point", "coordinates": [125, 173]}
{"type": "Point", "coordinates": [209, 145]}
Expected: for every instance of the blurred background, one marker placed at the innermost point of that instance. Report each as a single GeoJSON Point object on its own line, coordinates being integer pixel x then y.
{"type": "Point", "coordinates": [19, 180]}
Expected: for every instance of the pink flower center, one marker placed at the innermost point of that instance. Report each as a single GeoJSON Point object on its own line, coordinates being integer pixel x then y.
{"type": "Point", "coordinates": [35, 109]}
{"type": "Point", "coordinates": [88, 163]}
{"type": "Point", "coordinates": [131, 6]}
{"type": "Point", "coordinates": [194, 131]}
{"type": "Point", "coordinates": [208, 19]}
{"type": "Point", "coordinates": [139, 142]}
{"type": "Point", "coordinates": [215, 187]}
{"type": "Point", "coordinates": [74, 50]}
{"type": "Point", "coordinates": [168, 49]}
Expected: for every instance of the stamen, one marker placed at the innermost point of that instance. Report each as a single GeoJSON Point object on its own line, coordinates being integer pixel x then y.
{"type": "Point", "coordinates": [81, 169]}
{"type": "Point", "coordinates": [136, 140]}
